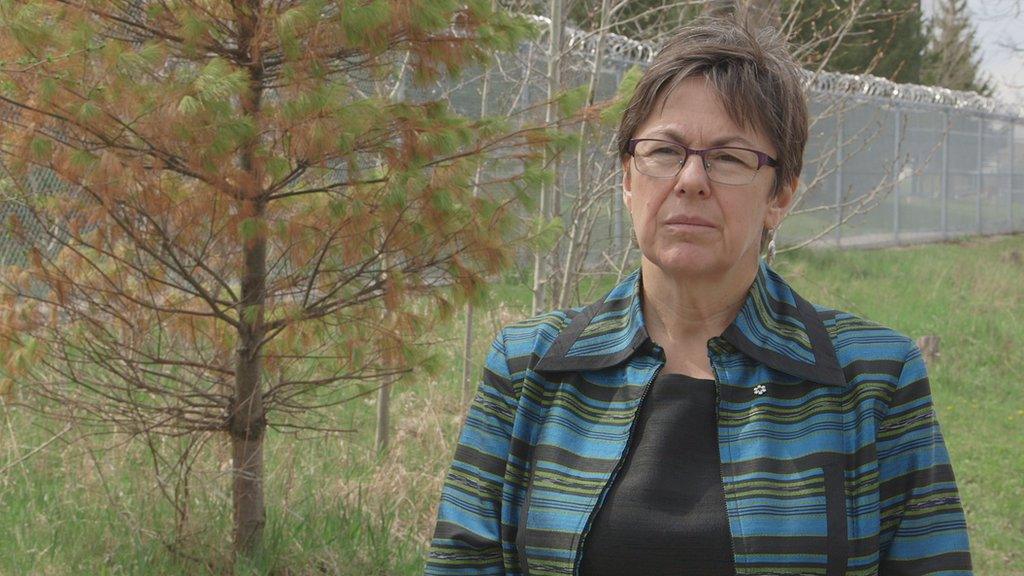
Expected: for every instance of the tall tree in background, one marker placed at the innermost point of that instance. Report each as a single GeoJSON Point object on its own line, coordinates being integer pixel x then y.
{"type": "Point", "coordinates": [952, 59]}
{"type": "Point", "coordinates": [246, 225]}
{"type": "Point", "coordinates": [636, 19]}
{"type": "Point", "coordinates": [883, 37]}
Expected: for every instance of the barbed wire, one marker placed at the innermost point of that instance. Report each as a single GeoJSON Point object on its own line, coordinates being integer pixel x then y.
{"type": "Point", "coordinates": [622, 48]}
{"type": "Point", "coordinates": [615, 46]}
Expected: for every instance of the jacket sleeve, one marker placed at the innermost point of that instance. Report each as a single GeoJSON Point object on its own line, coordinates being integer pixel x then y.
{"type": "Point", "coordinates": [923, 529]}
{"type": "Point", "coordinates": [467, 536]}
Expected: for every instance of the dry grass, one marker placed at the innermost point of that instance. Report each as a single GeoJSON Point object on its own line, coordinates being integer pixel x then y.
{"type": "Point", "coordinates": [92, 505]}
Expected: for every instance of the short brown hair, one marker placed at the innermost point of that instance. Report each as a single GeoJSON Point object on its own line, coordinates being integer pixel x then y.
{"type": "Point", "coordinates": [757, 80]}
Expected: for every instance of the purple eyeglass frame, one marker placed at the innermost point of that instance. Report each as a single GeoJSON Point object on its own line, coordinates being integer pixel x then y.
{"type": "Point", "coordinates": [762, 158]}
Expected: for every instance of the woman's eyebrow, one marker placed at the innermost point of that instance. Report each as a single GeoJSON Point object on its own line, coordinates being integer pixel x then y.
{"type": "Point", "coordinates": [676, 135]}
{"type": "Point", "coordinates": [722, 141]}
{"type": "Point", "coordinates": [670, 133]}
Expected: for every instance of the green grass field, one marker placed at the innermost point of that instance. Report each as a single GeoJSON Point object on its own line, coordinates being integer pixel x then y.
{"type": "Point", "coordinates": [93, 506]}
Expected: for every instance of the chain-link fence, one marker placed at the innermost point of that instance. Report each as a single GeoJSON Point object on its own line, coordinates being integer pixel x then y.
{"type": "Point", "coordinates": [894, 164]}
{"type": "Point", "coordinates": [886, 163]}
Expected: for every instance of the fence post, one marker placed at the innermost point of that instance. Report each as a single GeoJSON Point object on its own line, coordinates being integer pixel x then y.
{"type": "Point", "coordinates": [617, 221]}
{"type": "Point", "coordinates": [945, 176]}
{"type": "Point", "coordinates": [617, 202]}
{"type": "Point", "coordinates": [896, 169]}
{"type": "Point", "coordinates": [839, 178]}
{"type": "Point", "coordinates": [978, 179]}
{"type": "Point", "coordinates": [1013, 141]}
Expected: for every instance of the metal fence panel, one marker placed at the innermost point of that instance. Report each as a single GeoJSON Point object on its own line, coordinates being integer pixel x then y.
{"type": "Point", "coordinates": [1016, 204]}
{"type": "Point", "coordinates": [893, 163]}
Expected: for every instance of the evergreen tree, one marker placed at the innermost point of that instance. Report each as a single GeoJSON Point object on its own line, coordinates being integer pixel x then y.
{"type": "Point", "coordinates": [643, 20]}
{"type": "Point", "coordinates": [952, 59]}
{"type": "Point", "coordinates": [883, 37]}
{"type": "Point", "coordinates": [249, 230]}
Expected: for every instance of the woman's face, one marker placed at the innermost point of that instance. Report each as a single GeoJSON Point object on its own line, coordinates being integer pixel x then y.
{"type": "Point", "coordinates": [693, 116]}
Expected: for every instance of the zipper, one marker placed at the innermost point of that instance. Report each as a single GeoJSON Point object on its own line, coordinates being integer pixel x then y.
{"type": "Point", "coordinates": [721, 468]}
{"type": "Point", "coordinates": [615, 471]}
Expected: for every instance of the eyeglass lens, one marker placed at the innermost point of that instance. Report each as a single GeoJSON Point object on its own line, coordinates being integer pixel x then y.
{"type": "Point", "coordinates": [723, 165]}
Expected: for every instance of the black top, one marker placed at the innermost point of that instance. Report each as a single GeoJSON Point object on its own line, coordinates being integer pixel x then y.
{"type": "Point", "coordinates": [665, 511]}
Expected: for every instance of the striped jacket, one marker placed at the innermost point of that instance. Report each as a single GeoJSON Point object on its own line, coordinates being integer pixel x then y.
{"type": "Point", "coordinates": [832, 460]}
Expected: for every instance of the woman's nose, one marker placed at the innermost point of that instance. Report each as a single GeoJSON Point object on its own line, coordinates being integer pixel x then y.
{"type": "Point", "coordinates": [692, 176]}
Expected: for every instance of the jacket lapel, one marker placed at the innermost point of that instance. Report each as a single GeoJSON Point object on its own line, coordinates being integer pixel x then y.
{"type": "Point", "coordinates": [775, 326]}
{"type": "Point", "coordinates": [603, 334]}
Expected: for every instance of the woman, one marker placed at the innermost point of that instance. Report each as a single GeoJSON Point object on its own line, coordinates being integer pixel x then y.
{"type": "Point", "coordinates": [702, 417]}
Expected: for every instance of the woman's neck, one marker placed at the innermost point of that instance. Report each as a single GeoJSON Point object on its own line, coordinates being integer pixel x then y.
{"type": "Point", "coordinates": [687, 311]}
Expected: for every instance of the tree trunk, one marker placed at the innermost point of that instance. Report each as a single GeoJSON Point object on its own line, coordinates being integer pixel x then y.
{"type": "Point", "coordinates": [467, 356]}
{"type": "Point", "coordinates": [388, 358]}
{"type": "Point", "coordinates": [383, 416]}
{"type": "Point", "coordinates": [247, 422]}
{"type": "Point", "coordinates": [569, 273]}
{"type": "Point", "coordinates": [540, 272]}
{"type": "Point", "coordinates": [467, 343]}
{"type": "Point", "coordinates": [249, 508]}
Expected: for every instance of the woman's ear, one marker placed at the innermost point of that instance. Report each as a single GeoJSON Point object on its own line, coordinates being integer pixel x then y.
{"type": "Point", "coordinates": [627, 190]}
{"type": "Point", "coordinates": [779, 206]}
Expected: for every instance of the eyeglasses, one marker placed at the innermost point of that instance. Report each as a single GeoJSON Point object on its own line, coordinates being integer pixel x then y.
{"type": "Point", "coordinates": [723, 164]}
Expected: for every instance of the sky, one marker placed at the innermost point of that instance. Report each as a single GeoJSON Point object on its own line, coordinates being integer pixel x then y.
{"type": "Point", "coordinates": [999, 22]}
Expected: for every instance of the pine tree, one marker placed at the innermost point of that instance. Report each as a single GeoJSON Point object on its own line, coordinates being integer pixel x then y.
{"type": "Point", "coordinates": [249, 231]}
{"type": "Point", "coordinates": [882, 37]}
{"type": "Point", "coordinates": [952, 59]}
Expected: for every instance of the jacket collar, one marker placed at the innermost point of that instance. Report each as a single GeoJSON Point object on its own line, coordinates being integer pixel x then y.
{"type": "Point", "coordinates": [775, 326]}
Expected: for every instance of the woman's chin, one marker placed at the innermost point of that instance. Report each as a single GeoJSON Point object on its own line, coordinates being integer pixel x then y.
{"type": "Point", "coordinates": [695, 260]}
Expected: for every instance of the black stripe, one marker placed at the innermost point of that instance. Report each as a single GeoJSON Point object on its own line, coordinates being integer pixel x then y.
{"type": "Point", "coordinates": [450, 530]}
{"type": "Point", "coordinates": [864, 368]}
{"type": "Point", "coordinates": [486, 462]}
{"type": "Point", "coordinates": [936, 563]}
{"type": "Point", "coordinates": [835, 515]}
{"type": "Point", "coordinates": [897, 485]}
{"type": "Point", "coordinates": [786, 466]}
{"type": "Point", "coordinates": [524, 512]}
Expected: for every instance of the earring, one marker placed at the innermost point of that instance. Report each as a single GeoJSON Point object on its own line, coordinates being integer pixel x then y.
{"type": "Point", "coordinates": [771, 245]}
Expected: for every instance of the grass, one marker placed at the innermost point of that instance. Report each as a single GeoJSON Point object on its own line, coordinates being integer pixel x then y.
{"type": "Point", "coordinates": [969, 294]}
{"type": "Point", "coordinates": [334, 507]}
